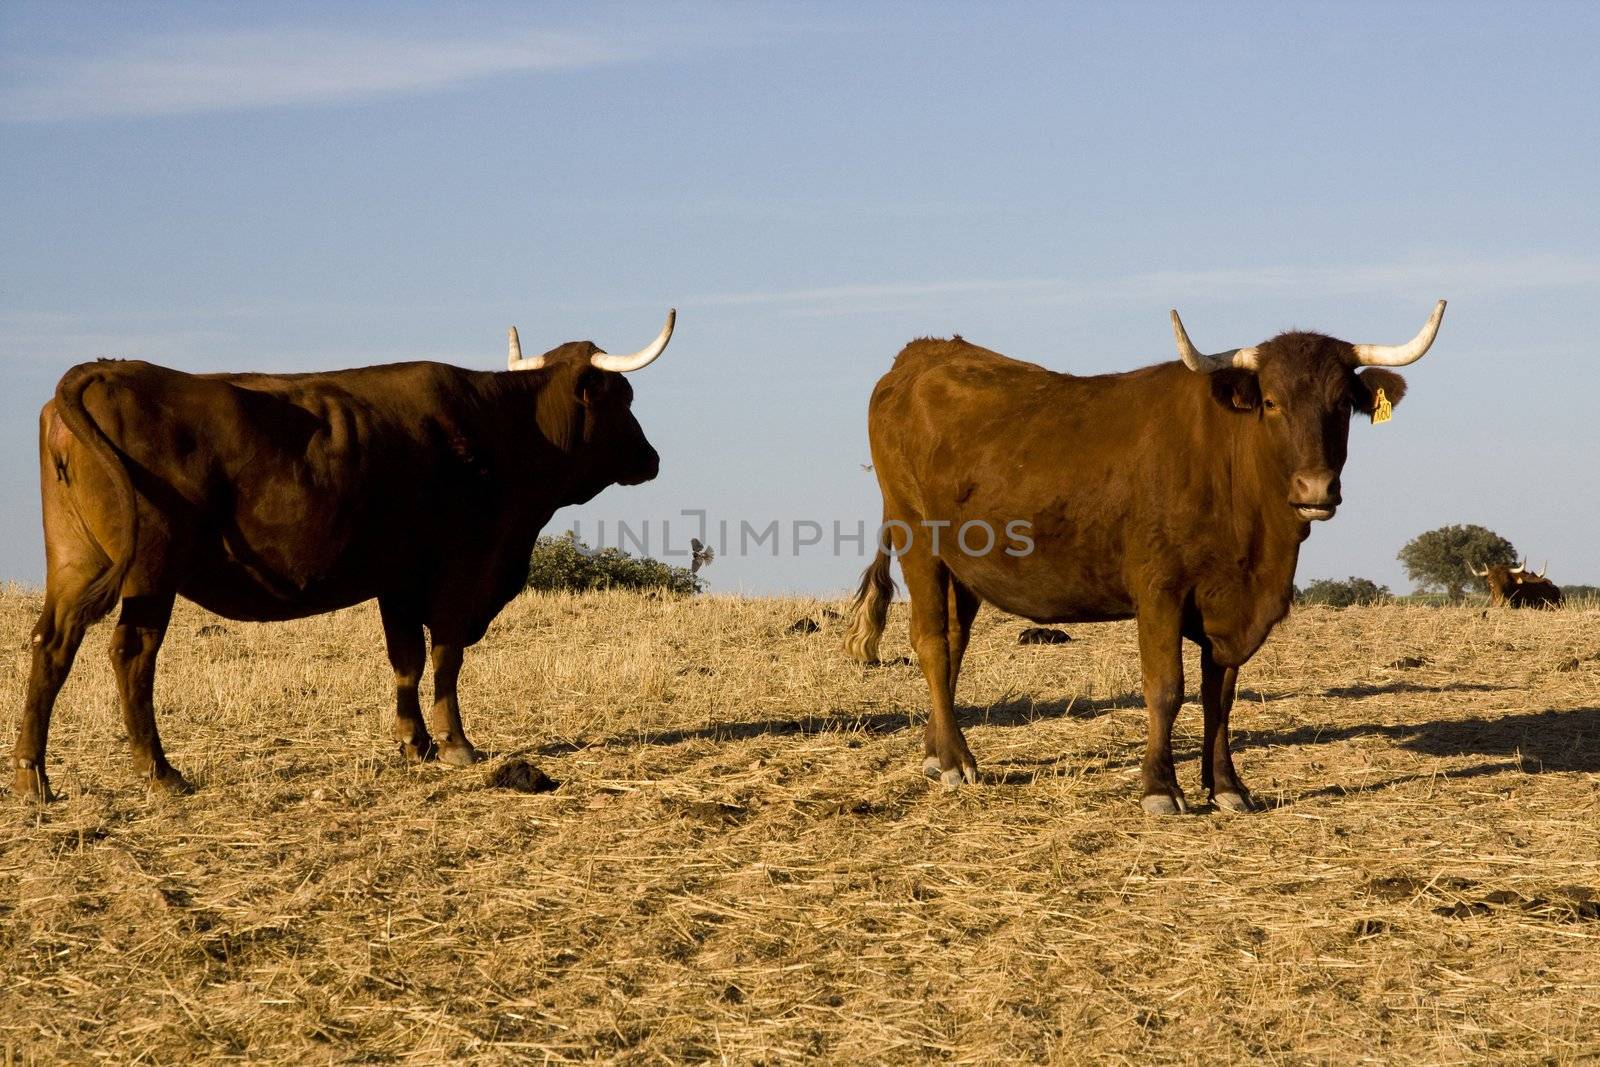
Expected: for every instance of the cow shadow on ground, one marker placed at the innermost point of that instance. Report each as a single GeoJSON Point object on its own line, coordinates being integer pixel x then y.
{"type": "Point", "coordinates": [1015, 711]}
{"type": "Point", "coordinates": [1550, 741]}
{"type": "Point", "coordinates": [1362, 689]}
{"type": "Point", "coordinates": [1535, 742]}
{"type": "Point", "coordinates": [1388, 688]}
{"type": "Point", "coordinates": [1340, 789]}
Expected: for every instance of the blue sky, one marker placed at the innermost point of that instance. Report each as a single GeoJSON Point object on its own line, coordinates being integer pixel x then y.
{"type": "Point", "coordinates": [284, 186]}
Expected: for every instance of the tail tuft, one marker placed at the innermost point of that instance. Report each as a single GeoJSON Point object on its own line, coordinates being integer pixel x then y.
{"type": "Point", "coordinates": [869, 611]}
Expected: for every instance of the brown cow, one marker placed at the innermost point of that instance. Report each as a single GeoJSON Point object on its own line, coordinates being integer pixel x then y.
{"type": "Point", "coordinates": [1177, 494]}
{"type": "Point", "coordinates": [1514, 587]}
{"type": "Point", "coordinates": [263, 497]}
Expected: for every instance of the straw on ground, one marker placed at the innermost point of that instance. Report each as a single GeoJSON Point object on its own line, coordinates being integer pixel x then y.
{"type": "Point", "coordinates": [743, 862]}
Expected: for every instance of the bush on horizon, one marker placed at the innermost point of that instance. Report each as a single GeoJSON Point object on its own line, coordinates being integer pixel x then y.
{"type": "Point", "coordinates": [1350, 592]}
{"type": "Point", "coordinates": [566, 565]}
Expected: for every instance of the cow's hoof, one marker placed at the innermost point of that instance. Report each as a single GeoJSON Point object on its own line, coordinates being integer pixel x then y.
{"type": "Point", "coordinates": [418, 752]}
{"type": "Point", "coordinates": [952, 779]}
{"type": "Point", "coordinates": [170, 782]}
{"type": "Point", "coordinates": [29, 783]}
{"type": "Point", "coordinates": [1162, 804]}
{"type": "Point", "coordinates": [458, 755]}
{"type": "Point", "coordinates": [1232, 801]}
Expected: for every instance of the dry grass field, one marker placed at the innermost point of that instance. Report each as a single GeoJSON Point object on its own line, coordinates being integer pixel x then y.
{"type": "Point", "coordinates": [742, 863]}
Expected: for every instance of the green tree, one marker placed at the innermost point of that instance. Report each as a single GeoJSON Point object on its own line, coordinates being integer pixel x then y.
{"type": "Point", "coordinates": [565, 564]}
{"type": "Point", "coordinates": [1337, 594]}
{"type": "Point", "coordinates": [1441, 560]}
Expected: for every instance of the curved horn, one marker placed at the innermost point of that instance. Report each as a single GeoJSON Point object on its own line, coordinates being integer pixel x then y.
{"type": "Point", "coordinates": [1195, 360]}
{"type": "Point", "coordinates": [1519, 568]}
{"type": "Point", "coordinates": [1476, 573]}
{"type": "Point", "coordinates": [642, 358]}
{"type": "Point", "coordinates": [1401, 355]}
{"type": "Point", "coordinates": [1543, 569]}
{"type": "Point", "coordinates": [514, 360]}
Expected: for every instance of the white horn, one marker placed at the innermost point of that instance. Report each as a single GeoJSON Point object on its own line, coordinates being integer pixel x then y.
{"type": "Point", "coordinates": [642, 358]}
{"type": "Point", "coordinates": [514, 360]}
{"type": "Point", "coordinates": [1519, 568]}
{"type": "Point", "coordinates": [1476, 573]}
{"type": "Point", "coordinates": [1401, 355]}
{"type": "Point", "coordinates": [1195, 360]}
{"type": "Point", "coordinates": [1543, 569]}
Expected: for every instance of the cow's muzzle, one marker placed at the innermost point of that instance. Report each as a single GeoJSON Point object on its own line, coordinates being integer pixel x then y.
{"type": "Point", "coordinates": [1314, 494]}
{"type": "Point", "coordinates": [644, 471]}
{"type": "Point", "coordinates": [1315, 512]}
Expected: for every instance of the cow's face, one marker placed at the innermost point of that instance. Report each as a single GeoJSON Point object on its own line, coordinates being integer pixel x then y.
{"type": "Point", "coordinates": [1303, 393]}
{"type": "Point", "coordinates": [587, 413]}
{"type": "Point", "coordinates": [612, 438]}
{"type": "Point", "coordinates": [1501, 582]}
{"type": "Point", "coordinates": [1301, 388]}
{"type": "Point", "coordinates": [585, 410]}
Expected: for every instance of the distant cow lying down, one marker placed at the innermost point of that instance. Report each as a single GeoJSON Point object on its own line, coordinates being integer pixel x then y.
{"type": "Point", "coordinates": [1516, 587]}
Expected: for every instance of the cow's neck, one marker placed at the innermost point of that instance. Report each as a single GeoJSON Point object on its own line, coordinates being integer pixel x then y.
{"type": "Point", "coordinates": [532, 462]}
{"type": "Point", "coordinates": [1267, 533]}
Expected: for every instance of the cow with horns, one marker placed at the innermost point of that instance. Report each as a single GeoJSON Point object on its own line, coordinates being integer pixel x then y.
{"type": "Point", "coordinates": [1177, 494]}
{"type": "Point", "coordinates": [1515, 587]}
{"type": "Point", "coordinates": [277, 496]}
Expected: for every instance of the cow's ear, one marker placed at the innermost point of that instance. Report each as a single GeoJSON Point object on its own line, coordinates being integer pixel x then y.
{"type": "Point", "coordinates": [1238, 390]}
{"type": "Point", "coordinates": [562, 407]}
{"type": "Point", "coordinates": [1369, 381]}
{"type": "Point", "coordinates": [589, 386]}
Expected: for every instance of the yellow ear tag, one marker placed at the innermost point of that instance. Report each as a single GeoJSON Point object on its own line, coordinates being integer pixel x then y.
{"type": "Point", "coordinates": [1382, 410]}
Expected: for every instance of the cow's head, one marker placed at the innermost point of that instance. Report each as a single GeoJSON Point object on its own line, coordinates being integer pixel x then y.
{"type": "Point", "coordinates": [1301, 389]}
{"type": "Point", "coordinates": [1501, 579]}
{"type": "Point", "coordinates": [585, 410]}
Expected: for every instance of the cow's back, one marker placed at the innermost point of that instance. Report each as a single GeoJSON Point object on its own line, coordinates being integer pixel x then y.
{"type": "Point", "coordinates": [960, 434]}
{"type": "Point", "coordinates": [290, 494]}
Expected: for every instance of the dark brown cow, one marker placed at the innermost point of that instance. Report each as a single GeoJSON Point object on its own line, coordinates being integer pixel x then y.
{"type": "Point", "coordinates": [1514, 587]}
{"type": "Point", "coordinates": [262, 497]}
{"type": "Point", "coordinates": [1177, 494]}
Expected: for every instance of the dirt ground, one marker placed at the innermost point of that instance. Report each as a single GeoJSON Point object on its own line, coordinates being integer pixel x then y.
{"type": "Point", "coordinates": [741, 863]}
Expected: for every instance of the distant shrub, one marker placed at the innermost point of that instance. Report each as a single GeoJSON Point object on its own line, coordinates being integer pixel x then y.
{"type": "Point", "coordinates": [1442, 560]}
{"type": "Point", "coordinates": [1343, 594]}
{"type": "Point", "coordinates": [1581, 592]}
{"type": "Point", "coordinates": [566, 565]}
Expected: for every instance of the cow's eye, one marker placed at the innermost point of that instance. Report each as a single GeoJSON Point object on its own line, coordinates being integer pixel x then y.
{"type": "Point", "coordinates": [1269, 404]}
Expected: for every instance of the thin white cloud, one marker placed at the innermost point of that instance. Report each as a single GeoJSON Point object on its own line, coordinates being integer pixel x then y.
{"type": "Point", "coordinates": [217, 71]}
{"type": "Point", "coordinates": [1449, 277]}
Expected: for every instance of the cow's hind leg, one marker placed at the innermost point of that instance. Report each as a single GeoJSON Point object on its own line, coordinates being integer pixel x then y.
{"type": "Point", "coordinates": [945, 753]}
{"type": "Point", "coordinates": [408, 652]}
{"type": "Point", "coordinates": [1217, 685]}
{"type": "Point", "coordinates": [135, 642]}
{"type": "Point", "coordinates": [454, 748]}
{"type": "Point", "coordinates": [55, 642]}
{"type": "Point", "coordinates": [963, 608]}
{"type": "Point", "coordinates": [1161, 659]}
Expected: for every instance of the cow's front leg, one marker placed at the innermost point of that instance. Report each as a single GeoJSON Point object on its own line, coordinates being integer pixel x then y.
{"type": "Point", "coordinates": [1217, 684]}
{"type": "Point", "coordinates": [407, 653]}
{"type": "Point", "coordinates": [1161, 658]}
{"type": "Point", "coordinates": [454, 748]}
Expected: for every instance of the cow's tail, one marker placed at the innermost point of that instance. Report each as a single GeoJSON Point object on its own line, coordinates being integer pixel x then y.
{"type": "Point", "coordinates": [869, 611]}
{"type": "Point", "coordinates": [102, 594]}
